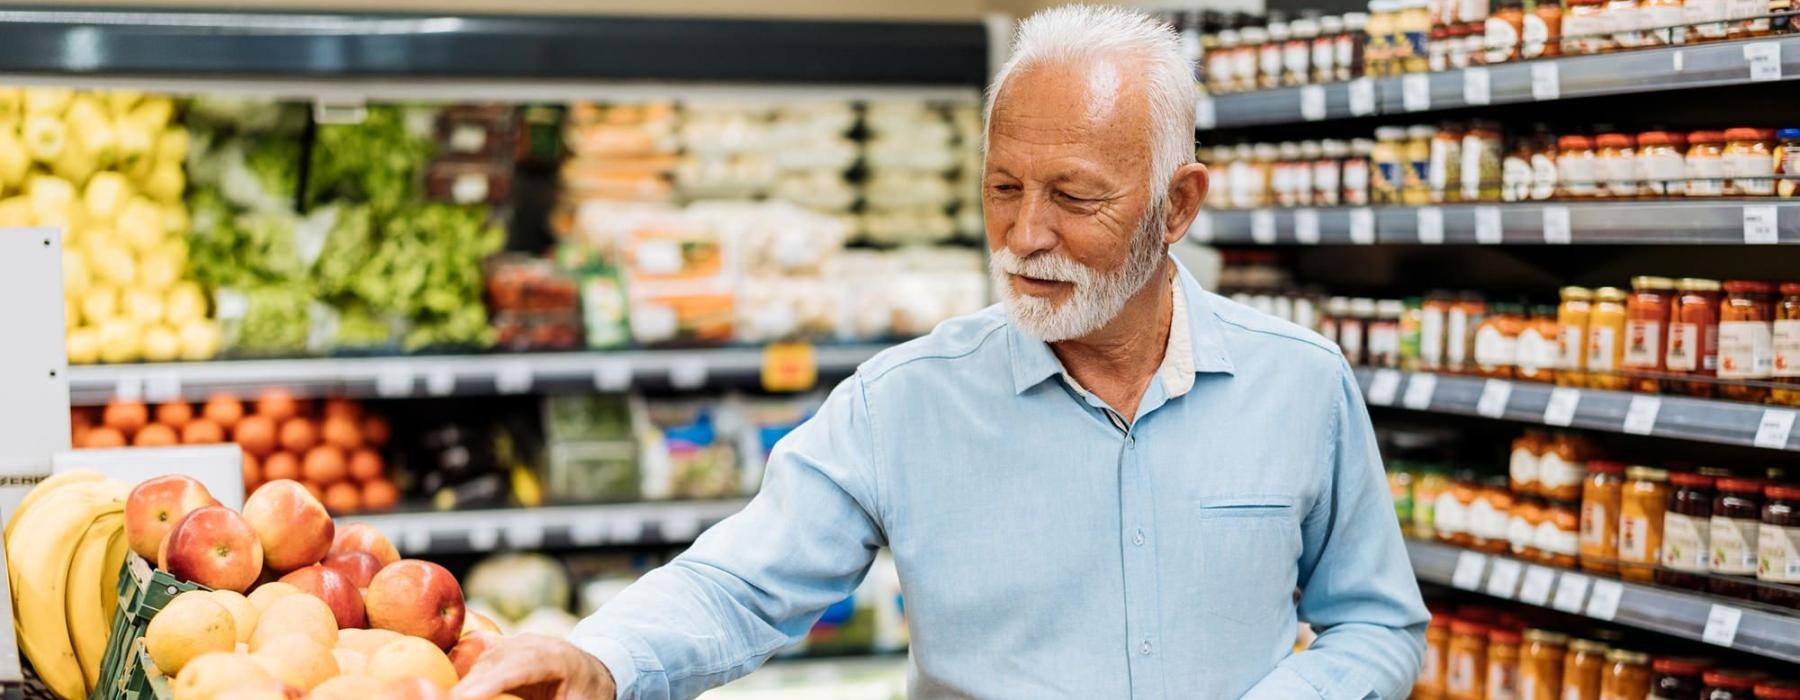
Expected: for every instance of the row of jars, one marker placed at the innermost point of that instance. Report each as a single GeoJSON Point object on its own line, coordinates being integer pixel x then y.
{"type": "Point", "coordinates": [1277, 53]}
{"type": "Point", "coordinates": [1481, 654]}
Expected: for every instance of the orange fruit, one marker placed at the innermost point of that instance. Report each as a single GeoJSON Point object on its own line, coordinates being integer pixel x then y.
{"type": "Point", "coordinates": [277, 405]}
{"type": "Point", "coordinates": [125, 416]}
{"type": "Point", "coordinates": [223, 409]}
{"type": "Point", "coordinates": [105, 437]}
{"type": "Point", "coordinates": [343, 497]}
{"type": "Point", "coordinates": [324, 465]}
{"type": "Point", "coordinates": [380, 495]}
{"type": "Point", "coordinates": [256, 434]}
{"type": "Point", "coordinates": [365, 465]}
{"type": "Point", "coordinates": [175, 414]}
{"type": "Point", "coordinates": [202, 432]}
{"type": "Point", "coordinates": [154, 435]}
{"type": "Point", "coordinates": [281, 465]}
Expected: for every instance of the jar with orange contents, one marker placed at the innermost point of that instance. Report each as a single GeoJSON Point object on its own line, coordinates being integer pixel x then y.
{"type": "Point", "coordinates": [1521, 528]}
{"type": "Point", "coordinates": [1786, 364]}
{"type": "Point", "coordinates": [1746, 342]}
{"type": "Point", "coordinates": [1693, 345]}
{"type": "Point", "coordinates": [1541, 664]}
{"type": "Point", "coordinates": [1502, 664]}
{"type": "Point", "coordinates": [1451, 514]}
{"type": "Point", "coordinates": [1600, 495]}
{"type": "Point", "coordinates": [1559, 536]}
{"type": "Point", "coordinates": [1571, 335]}
{"type": "Point", "coordinates": [1465, 672]}
{"type": "Point", "coordinates": [1606, 340]}
{"type": "Point", "coordinates": [1430, 685]}
{"type": "Point", "coordinates": [1522, 469]}
{"type": "Point", "coordinates": [1642, 506]}
{"type": "Point", "coordinates": [1584, 668]}
{"type": "Point", "coordinates": [1561, 468]}
{"type": "Point", "coordinates": [1627, 675]}
{"type": "Point", "coordinates": [1489, 516]}
{"type": "Point", "coordinates": [1646, 311]}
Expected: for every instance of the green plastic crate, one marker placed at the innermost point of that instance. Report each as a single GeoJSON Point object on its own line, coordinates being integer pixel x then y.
{"type": "Point", "coordinates": [127, 672]}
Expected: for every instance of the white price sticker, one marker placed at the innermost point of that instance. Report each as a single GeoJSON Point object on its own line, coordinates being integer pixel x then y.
{"type": "Point", "coordinates": [1759, 226]}
{"type": "Point", "coordinates": [394, 380]}
{"type": "Point", "coordinates": [513, 378]}
{"type": "Point", "coordinates": [1312, 103]}
{"type": "Point", "coordinates": [1201, 231]}
{"type": "Point", "coordinates": [1546, 83]}
{"type": "Point", "coordinates": [1537, 586]}
{"type": "Point", "coordinates": [1431, 225]}
{"type": "Point", "coordinates": [440, 380]}
{"type": "Point", "coordinates": [588, 532]}
{"type": "Point", "coordinates": [525, 532]}
{"type": "Point", "coordinates": [1640, 416]}
{"type": "Point", "coordinates": [1262, 226]}
{"type": "Point", "coordinates": [1556, 225]}
{"type": "Point", "coordinates": [1362, 226]}
{"type": "Point", "coordinates": [129, 388]}
{"type": "Point", "coordinates": [1306, 226]}
{"type": "Point", "coordinates": [1476, 86]}
{"type": "Point", "coordinates": [627, 528]}
{"type": "Point", "coordinates": [1503, 577]}
{"type": "Point", "coordinates": [1362, 97]}
{"type": "Point", "coordinates": [1603, 604]}
{"type": "Point", "coordinates": [1384, 387]}
{"type": "Point", "coordinates": [1721, 625]}
{"type": "Point", "coordinates": [681, 527]}
{"type": "Point", "coordinates": [612, 375]}
{"type": "Point", "coordinates": [687, 374]}
{"type": "Point", "coordinates": [1678, 61]}
{"type": "Point", "coordinates": [1772, 433]}
{"type": "Point", "coordinates": [160, 387]}
{"type": "Point", "coordinates": [1205, 116]}
{"type": "Point", "coordinates": [484, 538]}
{"type": "Point", "coordinates": [1494, 395]}
{"type": "Point", "coordinates": [1560, 411]}
{"type": "Point", "coordinates": [1765, 60]}
{"type": "Point", "coordinates": [1415, 92]}
{"type": "Point", "coordinates": [1487, 225]}
{"type": "Point", "coordinates": [1571, 593]}
{"type": "Point", "coordinates": [416, 540]}
{"type": "Point", "coordinates": [1469, 568]}
{"type": "Point", "coordinates": [1419, 391]}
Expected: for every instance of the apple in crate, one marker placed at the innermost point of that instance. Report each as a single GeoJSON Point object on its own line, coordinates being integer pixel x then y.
{"type": "Point", "coordinates": [362, 537]}
{"type": "Point", "coordinates": [155, 505]}
{"type": "Point", "coordinates": [417, 598]}
{"type": "Point", "coordinates": [360, 566]}
{"type": "Point", "coordinates": [214, 547]}
{"type": "Point", "coordinates": [470, 649]}
{"type": "Point", "coordinates": [292, 525]}
{"type": "Point", "coordinates": [336, 589]}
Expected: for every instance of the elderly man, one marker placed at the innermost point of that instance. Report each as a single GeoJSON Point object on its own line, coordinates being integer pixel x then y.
{"type": "Point", "coordinates": [1108, 487]}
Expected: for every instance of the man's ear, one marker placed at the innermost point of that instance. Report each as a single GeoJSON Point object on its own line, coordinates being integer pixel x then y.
{"type": "Point", "coordinates": [1187, 191]}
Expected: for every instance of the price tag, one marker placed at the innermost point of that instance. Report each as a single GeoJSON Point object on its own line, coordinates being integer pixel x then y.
{"type": "Point", "coordinates": [1721, 623]}
{"type": "Point", "coordinates": [1262, 226]}
{"type": "Point", "coordinates": [393, 380]}
{"type": "Point", "coordinates": [513, 378]}
{"type": "Point", "coordinates": [1640, 416]}
{"type": "Point", "coordinates": [1678, 61]}
{"type": "Point", "coordinates": [440, 380]}
{"type": "Point", "coordinates": [681, 527]}
{"type": "Point", "coordinates": [1765, 60]}
{"type": "Point", "coordinates": [129, 388]}
{"type": "Point", "coordinates": [160, 387]}
{"type": "Point", "coordinates": [1556, 225]}
{"type": "Point", "coordinates": [1476, 86]}
{"type": "Point", "coordinates": [1362, 226]}
{"type": "Point", "coordinates": [1487, 225]}
{"type": "Point", "coordinates": [1431, 225]}
{"type": "Point", "coordinates": [612, 375]}
{"type": "Point", "coordinates": [1362, 97]}
{"type": "Point", "coordinates": [484, 539]}
{"type": "Point", "coordinates": [1419, 391]}
{"type": "Point", "coordinates": [1383, 387]}
{"type": "Point", "coordinates": [1306, 226]}
{"type": "Point", "coordinates": [1494, 395]}
{"type": "Point", "coordinates": [588, 532]}
{"type": "Point", "coordinates": [1604, 603]}
{"type": "Point", "coordinates": [1772, 432]}
{"type": "Point", "coordinates": [417, 539]}
{"type": "Point", "coordinates": [1546, 83]}
{"type": "Point", "coordinates": [1503, 577]}
{"type": "Point", "coordinates": [1571, 592]}
{"type": "Point", "coordinates": [1560, 411]}
{"type": "Point", "coordinates": [687, 374]}
{"type": "Point", "coordinates": [1312, 103]}
{"type": "Point", "coordinates": [1415, 92]}
{"type": "Point", "coordinates": [1759, 226]}
{"type": "Point", "coordinates": [1201, 231]}
{"type": "Point", "coordinates": [1205, 116]}
{"type": "Point", "coordinates": [789, 367]}
{"type": "Point", "coordinates": [525, 532]}
{"type": "Point", "coordinates": [627, 528]}
{"type": "Point", "coordinates": [1469, 567]}
{"type": "Point", "coordinates": [1536, 588]}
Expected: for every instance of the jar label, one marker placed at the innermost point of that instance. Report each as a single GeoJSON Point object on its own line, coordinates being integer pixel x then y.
{"type": "Point", "coordinates": [1594, 521]}
{"type": "Point", "coordinates": [1462, 675]}
{"type": "Point", "coordinates": [1329, 328]}
{"type": "Point", "coordinates": [1619, 173]}
{"type": "Point", "coordinates": [1444, 153]}
{"type": "Point", "coordinates": [1556, 540]}
{"type": "Point", "coordinates": [1325, 182]}
{"type": "Point", "coordinates": [1786, 345]}
{"type": "Point", "coordinates": [1472, 152]}
{"type": "Point", "coordinates": [1686, 541]}
{"type": "Point", "coordinates": [1495, 350]}
{"type": "Point", "coordinates": [1750, 174]}
{"type": "Point", "coordinates": [1523, 468]}
{"type": "Point", "coordinates": [1244, 66]}
{"type": "Point", "coordinates": [1520, 532]}
{"type": "Point", "coordinates": [1570, 346]}
{"type": "Point", "coordinates": [1515, 179]}
{"type": "Point", "coordinates": [1534, 36]}
{"type": "Point", "coordinates": [1350, 341]}
{"type": "Point", "coordinates": [1662, 24]}
{"type": "Point", "coordinates": [1384, 344]}
{"type": "Point", "coordinates": [1322, 52]}
{"type": "Point", "coordinates": [1634, 539]}
{"type": "Point", "coordinates": [1431, 337]}
{"type": "Point", "coordinates": [1578, 174]}
{"type": "Point", "coordinates": [1643, 343]}
{"type": "Point", "coordinates": [1778, 554]}
{"type": "Point", "coordinates": [1270, 60]}
{"type": "Point", "coordinates": [1705, 176]}
{"type": "Point", "coordinates": [1661, 173]}
{"type": "Point", "coordinates": [1434, 660]}
{"type": "Point", "coordinates": [1483, 518]}
{"type": "Point", "coordinates": [1536, 353]}
{"type": "Point", "coordinates": [1502, 680]}
{"type": "Point", "coordinates": [1345, 48]}
{"type": "Point", "coordinates": [1746, 349]}
{"type": "Point", "coordinates": [1543, 176]}
{"type": "Point", "coordinates": [1456, 338]}
{"type": "Point", "coordinates": [1502, 40]}
{"type": "Point", "coordinates": [1623, 19]}
{"type": "Point", "coordinates": [1356, 182]}
{"type": "Point", "coordinates": [1684, 347]}
{"type": "Point", "coordinates": [1734, 542]}
{"type": "Point", "coordinates": [1450, 516]}
{"type": "Point", "coordinates": [1554, 472]}
{"type": "Point", "coordinates": [1294, 58]}
{"type": "Point", "coordinates": [1601, 344]}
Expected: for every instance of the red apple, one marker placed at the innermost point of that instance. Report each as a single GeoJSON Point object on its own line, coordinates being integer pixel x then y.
{"type": "Point", "coordinates": [469, 649]}
{"type": "Point", "coordinates": [214, 547]}
{"type": "Point", "coordinates": [419, 598]}
{"type": "Point", "coordinates": [358, 565]}
{"type": "Point", "coordinates": [293, 526]}
{"type": "Point", "coordinates": [336, 589]}
{"type": "Point", "coordinates": [363, 537]}
{"type": "Point", "coordinates": [153, 507]}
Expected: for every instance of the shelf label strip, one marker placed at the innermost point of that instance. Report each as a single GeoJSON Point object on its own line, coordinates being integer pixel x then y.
{"type": "Point", "coordinates": [1560, 411]}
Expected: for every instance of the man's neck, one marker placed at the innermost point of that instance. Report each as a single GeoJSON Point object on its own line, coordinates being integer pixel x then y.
{"type": "Point", "coordinates": [1118, 361]}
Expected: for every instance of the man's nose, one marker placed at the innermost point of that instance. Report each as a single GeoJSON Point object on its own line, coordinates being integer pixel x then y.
{"type": "Point", "coordinates": [1034, 230]}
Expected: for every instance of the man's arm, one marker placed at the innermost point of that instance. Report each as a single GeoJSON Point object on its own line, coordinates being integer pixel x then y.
{"type": "Point", "coordinates": [1357, 586]}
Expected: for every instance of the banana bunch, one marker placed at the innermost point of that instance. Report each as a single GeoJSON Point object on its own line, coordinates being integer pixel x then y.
{"type": "Point", "coordinates": [65, 546]}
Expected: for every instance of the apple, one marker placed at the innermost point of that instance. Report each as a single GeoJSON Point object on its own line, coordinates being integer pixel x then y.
{"type": "Point", "coordinates": [336, 589]}
{"type": "Point", "coordinates": [153, 507]}
{"type": "Point", "coordinates": [469, 649]}
{"type": "Point", "coordinates": [476, 622]}
{"type": "Point", "coordinates": [363, 537]}
{"type": "Point", "coordinates": [418, 598]}
{"type": "Point", "coordinates": [360, 566]}
{"type": "Point", "coordinates": [293, 526]}
{"type": "Point", "coordinates": [214, 547]}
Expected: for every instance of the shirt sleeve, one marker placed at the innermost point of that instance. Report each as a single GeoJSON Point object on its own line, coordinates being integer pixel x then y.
{"type": "Point", "coordinates": [756, 582]}
{"type": "Point", "coordinates": [1357, 585]}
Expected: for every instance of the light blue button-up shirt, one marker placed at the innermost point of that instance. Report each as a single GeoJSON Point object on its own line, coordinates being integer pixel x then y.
{"type": "Point", "coordinates": [1048, 549]}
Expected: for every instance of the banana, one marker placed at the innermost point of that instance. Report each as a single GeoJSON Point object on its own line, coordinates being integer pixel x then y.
{"type": "Point", "coordinates": [43, 488]}
{"type": "Point", "coordinates": [44, 542]}
{"type": "Point", "coordinates": [116, 550]}
{"type": "Point", "coordinates": [89, 626]}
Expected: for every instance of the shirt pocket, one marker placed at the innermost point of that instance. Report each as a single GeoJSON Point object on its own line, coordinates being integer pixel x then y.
{"type": "Point", "coordinates": [1249, 548]}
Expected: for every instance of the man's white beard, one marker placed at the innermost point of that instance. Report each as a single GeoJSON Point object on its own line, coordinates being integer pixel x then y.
{"type": "Point", "coordinates": [1097, 297]}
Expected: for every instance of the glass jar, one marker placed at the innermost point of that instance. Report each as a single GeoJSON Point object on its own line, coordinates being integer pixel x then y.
{"type": "Point", "coordinates": [1296, 54]}
{"type": "Point", "coordinates": [1389, 174]}
{"type": "Point", "coordinates": [1576, 167]}
{"type": "Point", "coordinates": [1749, 160]}
{"type": "Point", "coordinates": [1687, 532]}
{"type": "Point", "coordinates": [1559, 537]}
{"type": "Point", "coordinates": [1460, 323]}
{"type": "Point", "coordinates": [1400, 490]}
{"type": "Point", "coordinates": [1622, 18]}
{"type": "Point", "coordinates": [1416, 188]}
{"type": "Point", "coordinates": [1585, 29]}
{"type": "Point", "coordinates": [1661, 168]}
{"type": "Point", "coordinates": [1384, 334]}
{"type": "Point", "coordinates": [1437, 656]}
{"type": "Point", "coordinates": [1516, 173]}
{"type": "Point", "coordinates": [1787, 159]}
{"type": "Point", "coordinates": [1348, 60]}
{"type": "Point", "coordinates": [1541, 35]}
{"type": "Point", "coordinates": [1220, 72]}
{"type": "Point", "coordinates": [1445, 170]}
{"type": "Point", "coordinates": [1562, 467]}
{"type": "Point", "coordinates": [1337, 311]}
{"type": "Point", "coordinates": [1414, 24]}
{"type": "Point", "coordinates": [1496, 342]}
{"type": "Point", "coordinates": [1606, 340]}
{"type": "Point", "coordinates": [1451, 513]}
{"type": "Point", "coordinates": [1439, 44]}
{"type": "Point", "coordinates": [1427, 489]}
{"type": "Point", "coordinates": [1661, 21]}
{"type": "Point", "coordinates": [1600, 496]}
{"type": "Point", "coordinates": [1432, 317]}
{"type": "Point", "coordinates": [1642, 505]}
{"type": "Point", "coordinates": [1482, 151]}
{"type": "Point", "coordinates": [1357, 172]}
{"type": "Point", "coordinates": [1627, 675]}
{"type": "Point", "coordinates": [1353, 331]}
{"type": "Point", "coordinates": [1245, 61]}
{"type": "Point", "coordinates": [1650, 306]}
{"type": "Point", "coordinates": [1616, 165]}
{"type": "Point", "coordinates": [1705, 164]}
{"type": "Point", "coordinates": [1521, 528]}
{"type": "Point", "coordinates": [1541, 664]}
{"type": "Point", "coordinates": [1522, 466]}
{"type": "Point", "coordinates": [1571, 335]}
{"type": "Point", "coordinates": [1677, 677]}
{"type": "Point", "coordinates": [1502, 32]}
{"type": "Point", "coordinates": [1732, 684]}
{"type": "Point", "coordinates": [1736, 519]}
{"type": "Point", "coordinates": [1411, 320]}
{"type": "Point", "coordinates": [1474, 43]}
{"type": "Point", "coordinates": [1778, 546]}
{"type": "Point", "coordinates": [1328, 188]}
{"type": "Point", "coordinates": [1502, 664]}
{"type": "Point", "coordinates": [1693, 345]}
{"type": "Point", "coordinates": [1465, 674]}
{"type": "Point", "coordinates": [1268, 56]}
{"type": "Point", "coordinates": [1785, 367]}
{"type": "Point", "coordinates": [1584, 667]}
{"type": "Point", "coordinates": [1323, 64]}
{"type": "Point", "coordinates": [1539, 352]}
{"type": "Point", "coordinates": [1746, 340]}
{"type": "Point", "coordinates": [1490, 516]}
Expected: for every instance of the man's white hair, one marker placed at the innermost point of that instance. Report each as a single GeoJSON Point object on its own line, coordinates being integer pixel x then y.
{"type": "Point", "coordinates": [1082, 35]}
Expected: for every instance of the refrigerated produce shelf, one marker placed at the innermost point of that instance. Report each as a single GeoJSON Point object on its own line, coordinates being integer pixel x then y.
{"type": "Point", "coordinates": [442, 375]}
{"type": "Point", "coordinates": [1667, 222]}
{"type": "Point", "coordinates": [1739, 625]}
{"type": "Point", "coordinates": [548, 527]}
{"type": "Point", "coordinates": [1644, 70]}
{"type": "Point", "coordinates": [1677, 417]}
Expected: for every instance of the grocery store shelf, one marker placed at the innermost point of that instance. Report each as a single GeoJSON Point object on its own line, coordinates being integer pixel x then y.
{"type": "Point", "coordinates": [548, 527]}
{"type": "Point", "coordinates": [442, 375]}
{"type": "Point", "coordinates": [1664, 222]}
{"type": "Point", "coordinates": [1676, 417]}
{"type": "Point", "coordinates": [1648, 70]}
{"type": "Point", "coordinates": [1740, 625]}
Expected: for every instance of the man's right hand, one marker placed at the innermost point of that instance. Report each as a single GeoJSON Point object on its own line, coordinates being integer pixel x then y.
{"type": "Point", "coordinates": [533, 667]}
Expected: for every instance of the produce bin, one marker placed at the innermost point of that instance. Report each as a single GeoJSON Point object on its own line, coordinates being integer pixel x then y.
{"type": "Point", "coordinates": [127, 672]}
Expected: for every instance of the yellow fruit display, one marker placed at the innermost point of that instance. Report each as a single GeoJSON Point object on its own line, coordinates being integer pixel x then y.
{"type": "Point", "coordinates": [58, 541]}
{"type": "Point", "coordinates": [190, 625]}
{"type": "Point", "coordinates": [412, 657]}
{"type": "Point", "coordinates": [243, 614]}
{"type": "Point", "coordinates": [295, 614]}
{"type": "Point", "coordinates": [299, 660]}
{"type": "Point", "coordinates": [214, 675]}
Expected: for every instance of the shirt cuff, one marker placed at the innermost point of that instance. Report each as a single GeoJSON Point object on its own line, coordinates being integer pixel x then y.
{"type": "Point", "coordinates": [1282, 683]}
{"type": "Point", "coordinates": [615, 657]}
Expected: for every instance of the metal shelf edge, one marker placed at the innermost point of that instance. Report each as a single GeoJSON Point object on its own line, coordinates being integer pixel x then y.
{"type": "Point", "coordinates": [548, 527]}
{"type": "Point", "coordinates": [1628, 222]}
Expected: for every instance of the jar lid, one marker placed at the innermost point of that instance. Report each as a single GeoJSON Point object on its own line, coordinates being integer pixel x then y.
{"type": "Point", "coordinates": [1390, 308]}
{"type": "Point", "coordinates": [1741, 485]}
{"type": "Point", "coordinates": [1647, 474]}
{"type": "Point", "coordinates": [1680, 665]}
{"type": "Point", "coordinates": [1356, 21]}
{"type": "Point", "coordinates": [1749, 134]}
{"type": "Point", "coordinates": [1544, 636]}
{"type": "Point", "coordinates": [1574, 142]}
{"type": "Point", "coordinates": [1651, 282]}
{"type": "Point", "coordinates": [1691, 479]}
{"type": "Point", "coordinates": [1587, 645]}
{"type": "Point", "coordinates": [1331, 24]}
{"type": "Point", "coordinates": [1748, 287]}
{"type": "Point", "coordinates": [1441, 31]}
{"type": "Point", "coordinates": [1228, 38]}
{"type": "Point", "coordinates": [1311, 149]}
{"type": "Point", "coordinates": [1304, 28]}
{"type": "Point", "coordinates": [1421, 131]}
{"type": "Point", "coordinates": [1790, 288]}
{"type": "Point", "coordinates": [1605, 466]}
{"type": "Point", "coordinates": [1362, 307]}
{"type": "Point", "coordinates": [1733, 678]}
{"type": "Point", "coordinates": [1660, 138]}
{"type": "Point", "coordinates": [1700, 137]}
{"type": "Point", "coordinates": [1627, 656]}
{"type": "Point", "coordinates": [1613, 141]}
{"type": "Point", "coordinates": [1278, 31]}
{"type": "Point", "coordinates": [1439, 620]}
{"type": "Point", "coordinates": [1577, 294]}
{"type": "Point", "coordinates": [1782, 492]}
{"type": "Point", "coordinates": [1502, 635]}
{"type": "Point", "coordinates": [1788, 134]}
{"type": "Point", "coordinates": [1390, 133]}
{"type": "Point", "coordinates": [1468, 627]}
{"type": "Point", "coordinates": [1778, 690]}
{"type": "Point", "coordinates": [1289, 150]}
{"type": "Point", "coordinates": [1254, 35]}
{"type": "Point", "coordinates": [1696, 284]}
{"type": "Point", "coordinates": [1266, 151]}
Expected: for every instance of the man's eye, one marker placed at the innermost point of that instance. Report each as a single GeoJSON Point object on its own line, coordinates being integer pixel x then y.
{"type": "Point", "coordinates": [1073, 199]}
{"type": "Point", "coordinates": [1004, 188]}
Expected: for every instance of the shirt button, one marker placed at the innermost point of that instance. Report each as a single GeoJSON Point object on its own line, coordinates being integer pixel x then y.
{"type": "Point", "coordinates": [1138, 539]}
{"type": "Point", "coordinates": [1145, 647]}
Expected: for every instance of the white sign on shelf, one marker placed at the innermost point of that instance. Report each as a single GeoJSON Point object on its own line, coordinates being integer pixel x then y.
{"type": "Point", "coordinates": [1487, 224]}
{"type": "Point", "coordinates": [1306, 226]}
{"type": "Point", "coordinates": [1556, 225]}
{"type": "Point", "coordinates": [1765, 60]}
{"type": "Point", "coordinates": [1640, 416]}
{"type": "Point", "coordinates": [688, 373]}
{"type": "Point", "coordinates": [1431, 225]}
{"type": "Point", "coordinates": [1560, 411]}
{"type": "Point", "coordinates": [1772, 432]}
{"type": "Point", "coordinates": [1503, 577]}
{"type": "Point", "coordinates": [162, 387]}
{"type": "Point", "coordinates": [1546, 83]}
{"type": "Point", "coordinates": [513, 377]}
{"type": "Point", "coordinates": [1384, 387]}
{"type": "Point", "coordinates": [1201, 231]}
{"type": "Point", "coordinates": [525, 532]}
{"type": "Point", "coordinates": [1494, 395]}
{"type": "Point", "coordinates": [627, 528]}
{"type": "Point", "coordinates": [130, 387]}
{"type": "Point", "coordinates": [1571, 593]}
{"type": "Point", "coordinates": [1312, 102]}
{"type": "Point", "coordinates": [1362, 97]}
{"type": "Point", "coordinates": [417, 539]}
{"type": "Point", "coordinates": [587, 532]}
{"type": "Point", "coordinates": [1419, 391]}
{"type": "Point", "coordinates": [393, 380]}
{"type": "Point", "coordinates": [1477, 88]}
{"type": "Point", "coordinates": [1262, 226]}
{"type": "Point", "coordinates": [1721, 625]}
{"type": "Point", "coordinates": [440, 380]}
{"type": "Point", "coordinates": [1759, 226]}
{"type": "Point", "coordinates": [1205, 116]}
{"type": "Point", "coordinates": [483, 538]}
{"type": "Point", "coordinates": [1362, 226]}
{"type": "Point", "coordinates": [1678, 61]}
{"type": "Point", "coordinates": [1469, 568]}
{"type": "Point", "coordinates": [1603, 604]}
{"type": "Point", "coordinates": [1537, 586]}
{"type": "Point", "coordinates": [1415, 92]}
{"type": "Point", "coordinates": [612, 375]}
{"type": "Point", "coordinates": [681, 526]}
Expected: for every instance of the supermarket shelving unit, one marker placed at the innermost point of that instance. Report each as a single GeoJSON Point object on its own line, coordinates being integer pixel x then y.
{"type": "Point", "coordinates": [1766, 221]}
{"type": "Point", "coordinates": [428, 533]}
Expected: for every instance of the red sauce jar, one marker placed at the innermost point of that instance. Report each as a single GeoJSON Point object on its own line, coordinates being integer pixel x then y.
{"type": "Point", "coordinates": [1687, 532]}
{"type": "Point", "coordinates": [1736, 521]}
{"type": "Point", "coordinates": [1693, 342]}
{"type": "Point", "coordinates": [1746, 340]}
{"type": "Point", "coordinates": [1651, 304]}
